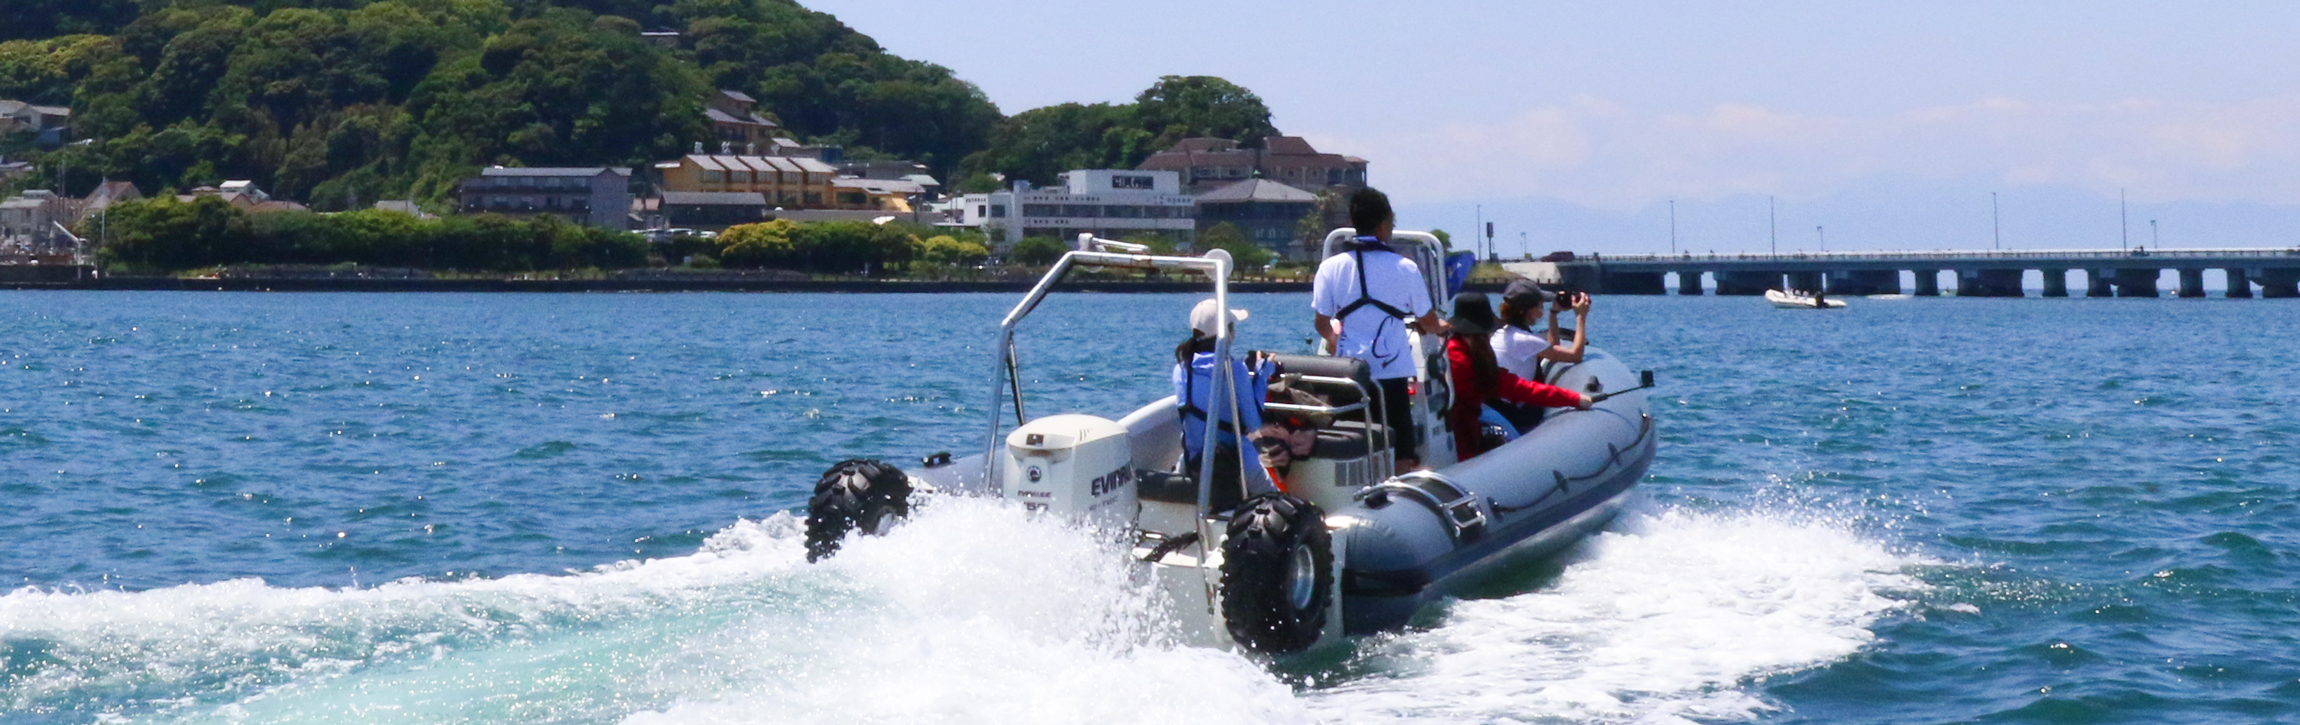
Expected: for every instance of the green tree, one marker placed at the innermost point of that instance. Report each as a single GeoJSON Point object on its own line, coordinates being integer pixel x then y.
{"type": "Point", "coordinates": [1179, 107]}
{"type": "Point", "coordinates": [1041, 143]}
{"type": "Point", "coordinates": [949, 251]}
{"type": "Point", "coordinates": [1228, 237]}
{"type": "Point", "coordinates": [1038, 251]}
{"type": "Point", "coordinates": [766, 245]}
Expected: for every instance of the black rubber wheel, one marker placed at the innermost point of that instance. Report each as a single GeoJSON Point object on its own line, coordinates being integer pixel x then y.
{"type": "Point", "coordinates": [857, 494]}
{"type": "Point", "coordinates": [1277, 574]}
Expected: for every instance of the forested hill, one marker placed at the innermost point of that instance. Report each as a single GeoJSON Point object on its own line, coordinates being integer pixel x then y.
{"type": "Point", "coordinates": [343, 102]}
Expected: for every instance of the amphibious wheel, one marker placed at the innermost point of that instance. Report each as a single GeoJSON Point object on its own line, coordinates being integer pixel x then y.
{"type": "Point", "coordinates": [1277, 574]}
{"type": "Point", "coordinates": [856, 494]}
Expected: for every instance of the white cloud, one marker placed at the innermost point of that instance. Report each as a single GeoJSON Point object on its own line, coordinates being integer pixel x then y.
{"type": "Point", "coordinates": [1599, 153]}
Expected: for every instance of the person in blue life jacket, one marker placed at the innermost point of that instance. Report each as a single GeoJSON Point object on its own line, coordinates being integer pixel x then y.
{"type": "Point", "coordinates": [1365, 299]}
{"type": "Point", "coordinates": [1198, 396]}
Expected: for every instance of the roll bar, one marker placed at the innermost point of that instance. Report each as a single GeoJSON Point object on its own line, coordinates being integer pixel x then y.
{"type": "Point", "coordinates": [1007, 380]}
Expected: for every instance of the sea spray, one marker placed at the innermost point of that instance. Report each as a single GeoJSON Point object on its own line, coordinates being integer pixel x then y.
{"type": "Point", "coordinates": [1663, 617]}
{"type": "Point", "coordinates": [972, 612]}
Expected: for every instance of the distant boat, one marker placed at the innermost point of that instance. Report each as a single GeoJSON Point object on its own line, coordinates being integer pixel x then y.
{"type": "Point", "coordinates": [1800, 300]}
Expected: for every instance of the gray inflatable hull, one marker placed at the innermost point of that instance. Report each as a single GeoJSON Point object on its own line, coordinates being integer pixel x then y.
{"type": "Point", "coordinates": [1528, 499]}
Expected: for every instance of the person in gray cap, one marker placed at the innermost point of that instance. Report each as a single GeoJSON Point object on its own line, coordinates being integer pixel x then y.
{"type": "Point", "coordinates": [1521, 350]}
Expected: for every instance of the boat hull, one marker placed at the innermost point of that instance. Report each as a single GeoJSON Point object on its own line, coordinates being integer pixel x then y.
{"type": "Point", "coordinates": [1527, 499]}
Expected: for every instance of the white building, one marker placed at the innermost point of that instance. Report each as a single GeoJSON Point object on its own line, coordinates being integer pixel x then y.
{"type": "Point", "coordinates": [1111, 203]}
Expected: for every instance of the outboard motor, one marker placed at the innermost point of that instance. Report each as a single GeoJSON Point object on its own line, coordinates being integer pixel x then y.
{"type": "Point", "coordinates": [1077, 466]}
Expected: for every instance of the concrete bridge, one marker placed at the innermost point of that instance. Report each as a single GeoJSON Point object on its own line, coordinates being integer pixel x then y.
{"type": "Point", "coordinates": [2107, 273]}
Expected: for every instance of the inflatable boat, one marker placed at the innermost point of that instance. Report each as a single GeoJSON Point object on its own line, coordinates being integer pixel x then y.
{"type": "Point", "coordinates": [1345, 548]}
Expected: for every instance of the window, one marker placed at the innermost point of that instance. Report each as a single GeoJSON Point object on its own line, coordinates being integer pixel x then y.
{"type": "Point", "coordinates": [714, 177]}
{"type": "Point", "coordinates": [981, 210]}
{"type": "Point", "coordinates": [1041, 210]}
{"type": "Point", "coordinates": [998, 212]}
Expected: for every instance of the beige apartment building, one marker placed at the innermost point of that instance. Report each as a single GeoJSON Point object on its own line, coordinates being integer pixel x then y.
{"type": "Point", "coordinates": [791, 182]}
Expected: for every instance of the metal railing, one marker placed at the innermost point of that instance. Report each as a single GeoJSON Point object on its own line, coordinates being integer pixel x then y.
{"type": "Point", "coordinates": [2120, 255]}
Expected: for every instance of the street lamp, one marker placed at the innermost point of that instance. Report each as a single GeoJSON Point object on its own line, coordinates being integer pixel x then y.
{"type": "Point", "coordinates": [1824, 238]}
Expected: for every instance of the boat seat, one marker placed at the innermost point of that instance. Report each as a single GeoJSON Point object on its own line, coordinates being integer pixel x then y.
{"type": "Point", "coordinates": [1178, 488]}
{"type": "Point", "coordinates": [1349, 439]}
{"type": "Point", "coordinates": [1328, 366]}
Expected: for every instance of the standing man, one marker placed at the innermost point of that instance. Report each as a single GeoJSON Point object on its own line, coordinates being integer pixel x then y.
{"type": "Point", "coordinates": [1365, 298]}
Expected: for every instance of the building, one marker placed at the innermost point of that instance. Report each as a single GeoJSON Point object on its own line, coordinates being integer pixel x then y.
{"type": "Point", "coordinates": [1110, 203]}
{"type": "Point", "coordinates": [50, 122]}
{"type": "Point", "coordinates": [29, 226]}
{"type": "Point", "coordinates": [895, 195]}
{"type": "Point", "coordinates": [1265, 210]}
{"type": "Point", "coordinates": [736, 126]}
{"type": "Point", "coordinates": [794, 182]}
{"type": "Point", "coordinates": [1207, 164]}
{"type": "Point", "coordinates": [105, 195]}
{"type": "Point", "coordinates": [243, 194]}
{"type": "Point", "coordinates": [713, 209]}
{"type": "Point", "coordinates": [597, 196]}
{"type": "Point", "coordinates": [895, 170]}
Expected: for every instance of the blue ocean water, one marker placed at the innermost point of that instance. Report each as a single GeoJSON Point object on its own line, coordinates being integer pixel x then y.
{"type": "Point", "coordinates": [260, 508]}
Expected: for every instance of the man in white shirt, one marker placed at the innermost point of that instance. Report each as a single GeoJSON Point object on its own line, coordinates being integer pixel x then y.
{"type": "Point", "coordinates": [1364, 299]}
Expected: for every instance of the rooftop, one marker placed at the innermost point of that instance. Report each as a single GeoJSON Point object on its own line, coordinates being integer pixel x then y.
{"type": "Point", "coordinates": [585, 171]}
{"type": "Point", "coordinates": [1252, 190]}
{"type": "Point", "coordinates": [715, 198]}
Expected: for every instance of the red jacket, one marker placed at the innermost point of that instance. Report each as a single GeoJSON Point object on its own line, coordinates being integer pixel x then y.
{"type": "Point", "coordinates": [1468, 399]}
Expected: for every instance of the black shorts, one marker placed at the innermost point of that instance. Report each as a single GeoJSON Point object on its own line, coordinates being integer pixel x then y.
{"type": "Point", "coordinates": [1398, 414]}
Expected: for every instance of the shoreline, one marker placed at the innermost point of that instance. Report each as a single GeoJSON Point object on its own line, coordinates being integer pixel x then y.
{"type": "Point", "coordinates": [286, 284]}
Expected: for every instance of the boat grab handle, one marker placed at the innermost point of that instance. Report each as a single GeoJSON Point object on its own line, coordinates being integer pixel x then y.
{"type": "Point", "coordinates": [1457, 508]}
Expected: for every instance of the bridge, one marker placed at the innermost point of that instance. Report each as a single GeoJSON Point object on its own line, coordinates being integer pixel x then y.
{"type": "Point", "coordinates": [2107, 272]}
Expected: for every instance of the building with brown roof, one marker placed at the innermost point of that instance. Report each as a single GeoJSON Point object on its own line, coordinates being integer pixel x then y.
{"type": "Point", "coordinates": [1267, 211]}
{"type": "Point", "coordinates": [795, 182]}
{"type": "Point", "coordinates": [736, 125]}
{"type": "Point", "coordinates": [1211, 163]}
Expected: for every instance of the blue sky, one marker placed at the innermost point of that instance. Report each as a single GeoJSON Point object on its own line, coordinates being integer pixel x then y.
{"type": "Point", "coordinates": [1575, 124]}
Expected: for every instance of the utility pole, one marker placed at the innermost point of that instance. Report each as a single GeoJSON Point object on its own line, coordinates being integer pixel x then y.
{"type": "Point", "coordinates": [2123, 221]}
{"type": "Point", "coordinates": [2152, 235]}
{"type": "Point", "coordinates": [1672, 227]}
{"type": "Point", "coordinates": [1524, 245]}
{"type": "Point", "coordinates": [1480, 224]}
{"type": "Point", "coordinates": [1772, 226]}
{"type": "Point", "coordinates": [1996, 225]}
{"type": "Point", "coordinates": [1824, 238]}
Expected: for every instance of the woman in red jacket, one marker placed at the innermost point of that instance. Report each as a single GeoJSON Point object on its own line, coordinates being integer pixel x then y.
{"type": "Point", "coordinates": [1477, 378]}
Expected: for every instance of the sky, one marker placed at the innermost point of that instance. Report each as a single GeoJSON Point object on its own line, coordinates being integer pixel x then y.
{"type": "Point", "coordinates": [1581, 125]}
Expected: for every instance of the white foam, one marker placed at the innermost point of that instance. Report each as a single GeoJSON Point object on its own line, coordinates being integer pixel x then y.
{"type": "Point", "coordinates": [1669, 616]}
{"type": "Point", "coordinates": [973, 612]}
{"type": "Point", "coordinates": [970, 613]}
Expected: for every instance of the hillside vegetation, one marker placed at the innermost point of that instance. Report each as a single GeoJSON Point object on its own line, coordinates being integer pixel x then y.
{"type": "Point", "coordinates": [342, 102]}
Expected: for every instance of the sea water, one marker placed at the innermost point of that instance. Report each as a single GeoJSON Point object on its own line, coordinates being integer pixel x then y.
{"type": "Point", "coordinates": [320, 508]}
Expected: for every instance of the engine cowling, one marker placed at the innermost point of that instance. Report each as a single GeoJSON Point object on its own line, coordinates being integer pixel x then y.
{"type": "Point", "coordinates": [1077, 466]}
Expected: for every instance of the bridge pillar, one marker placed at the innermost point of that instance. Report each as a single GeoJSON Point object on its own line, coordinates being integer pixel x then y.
{"type": "Point", "coordinates": [2239, 287]}
{"type": "Point", "coordinates": [2139, 282]}
{"type": "Point", "coordinates": [1928, 283]}
{"type": "Point", "coordinates": [1634, 283]}
{"type": "Point", "coordinates": [1864, 282]}
{"type": "Point", "coordinates": [1805, 281]}
{"type": "Point", "coordinates": [2279, 284]}
{"type": "Point", "coordinates": [1689, 283]}
{"type": "Point", "coordinates": [2191, 283]}
{"type": "Point", "coordinates": [1989, 283]}
{"type": "Point", "coordinates": [1747, 283]}
{"type": "Point", "coordinates": [2055, 282]}
{"type": "Point", "coordinates": [2098, 284]}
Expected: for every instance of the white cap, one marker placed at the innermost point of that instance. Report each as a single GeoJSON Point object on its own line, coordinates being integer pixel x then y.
{"type": "Point", "coordinates": [1202, 316]}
